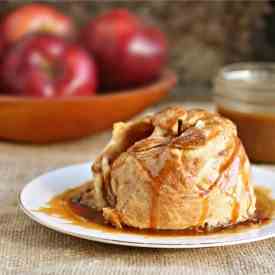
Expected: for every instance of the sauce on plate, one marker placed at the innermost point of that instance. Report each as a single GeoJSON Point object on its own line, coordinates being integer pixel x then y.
{"type": "Point", "coordinates": [62, 206]}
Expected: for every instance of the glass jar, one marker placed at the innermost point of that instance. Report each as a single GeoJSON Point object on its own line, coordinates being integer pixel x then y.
{"type": "Point", "coordinates": [245, 93]}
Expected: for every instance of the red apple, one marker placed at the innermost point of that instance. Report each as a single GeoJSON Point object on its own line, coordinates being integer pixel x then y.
{"type": "Point", "coordinates": [127, 53]}
{"type": "Point", "coordinates": [2, 43]}
{"type": "Point", "coordinates": [36, 18]}
{"type": "Point", "coordinates": [47, 65]}
{"type": "Point", "coordinates": [121, 47]}
{"type": "Point", "coordinates": [141, 59]}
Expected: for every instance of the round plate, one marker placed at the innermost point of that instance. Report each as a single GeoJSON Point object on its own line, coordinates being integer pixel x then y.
{"type": "Point", "coordinates": [39, 191]}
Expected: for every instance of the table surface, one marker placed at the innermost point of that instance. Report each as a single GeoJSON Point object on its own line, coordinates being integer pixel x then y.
{"type": "Point", "coordinates": [28, 248]}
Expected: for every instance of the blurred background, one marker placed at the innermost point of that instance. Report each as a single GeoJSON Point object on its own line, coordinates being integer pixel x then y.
{"type": "Point", "coordinates": [203, 35]}
{"type": "Point", "coordinates": [130, 51]}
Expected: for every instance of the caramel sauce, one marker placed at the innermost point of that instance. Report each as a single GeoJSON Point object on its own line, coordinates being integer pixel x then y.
{"type": "Point", "coordinates": [230, 160]}
{"type": "Point", "coordinates": [63, 207]}
{"type": "Point", "coordinates": [204, 211]}
{"type": "Point", "coordinates": [157, 182]}
{"type": "Point", "coordinates": [244, 172]}
{"type": "Point", "coordinates": [224, 167]}
{"type": "Point", "coordinates": [214, 133]}
{"type": "Point", "coordinates": [256, 131]}
{"type": "Point", "coordinates": [235, 211]}
{"type": "Point", "coordinates": [156, 185]}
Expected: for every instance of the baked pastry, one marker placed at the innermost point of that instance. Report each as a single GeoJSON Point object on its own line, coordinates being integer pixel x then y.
{"type": "Point", "coordinates": [176, 169]}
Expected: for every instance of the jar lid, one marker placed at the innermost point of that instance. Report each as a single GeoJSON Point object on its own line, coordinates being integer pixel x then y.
{"type": "Point", "coordinates": [249, 82]}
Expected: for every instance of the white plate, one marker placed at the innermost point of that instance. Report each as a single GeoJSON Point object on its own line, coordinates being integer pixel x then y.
{"type": "Point", "coordinates": [39, 191]}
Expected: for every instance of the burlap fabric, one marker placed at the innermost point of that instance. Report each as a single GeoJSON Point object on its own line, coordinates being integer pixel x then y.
{"type": "Point", "coordinates": [28, 248]}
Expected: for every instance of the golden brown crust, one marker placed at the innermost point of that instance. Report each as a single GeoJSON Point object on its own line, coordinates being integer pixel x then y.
{"type": "Point", "coordinates": [176, 169]}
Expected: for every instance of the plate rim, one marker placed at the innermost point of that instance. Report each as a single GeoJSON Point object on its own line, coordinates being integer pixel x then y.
{"type": "Point", "coordinates": [29, 213]}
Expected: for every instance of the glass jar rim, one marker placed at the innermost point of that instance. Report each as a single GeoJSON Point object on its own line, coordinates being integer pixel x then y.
{"type": "Point", "coordinates": [247, 81]}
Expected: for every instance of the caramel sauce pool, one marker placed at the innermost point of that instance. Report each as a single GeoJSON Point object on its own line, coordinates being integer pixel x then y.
{"type": "Point", "coordinates": [63, 207]}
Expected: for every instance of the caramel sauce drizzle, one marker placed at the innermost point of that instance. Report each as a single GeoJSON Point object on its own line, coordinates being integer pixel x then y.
{"type": "Point", "coordinates": [214, 133]}
{"type": "Point", "coordinates": [230, 160]}
{"type": "Point", "coordinates": [244, 174]}
{"type": "Point", "coordinates": [223, 168]}
{"type": "Point", "coordinates": [74, 213]}
{"type": "Point", "coordinates": [235, 211]}
{"type": "Point", "coordinates": [204, 211]}
{"type": "Point", "coordinates": [156, 182]}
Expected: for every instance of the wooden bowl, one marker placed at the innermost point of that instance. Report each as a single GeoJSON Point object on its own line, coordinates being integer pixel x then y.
{"type": "Point", "coordinates": [40, 120]}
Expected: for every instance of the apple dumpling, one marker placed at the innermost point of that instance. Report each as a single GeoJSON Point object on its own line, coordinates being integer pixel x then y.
{"type": "Point", "coordinates": [177, 169]}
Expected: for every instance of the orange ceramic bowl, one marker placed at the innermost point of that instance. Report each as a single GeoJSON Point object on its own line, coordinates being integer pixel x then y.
{"type": "Point", "coordinates": [39, 120]}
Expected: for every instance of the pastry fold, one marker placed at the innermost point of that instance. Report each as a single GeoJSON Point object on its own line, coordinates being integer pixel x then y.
{"type": "Point", "coordinates": [176, 169]}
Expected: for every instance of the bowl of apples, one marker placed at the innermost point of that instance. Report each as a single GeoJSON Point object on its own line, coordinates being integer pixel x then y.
{"type": "Point", "coordinates": [58, 83]}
